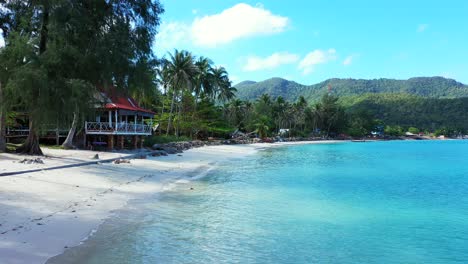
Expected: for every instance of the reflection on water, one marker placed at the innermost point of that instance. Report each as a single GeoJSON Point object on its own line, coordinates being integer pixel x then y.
{"type": "Point", "coordinates": [380, 202]}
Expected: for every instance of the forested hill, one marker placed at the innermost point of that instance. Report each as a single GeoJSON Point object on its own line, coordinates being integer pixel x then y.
{"type": "Point", "coordinates": [429, 87]}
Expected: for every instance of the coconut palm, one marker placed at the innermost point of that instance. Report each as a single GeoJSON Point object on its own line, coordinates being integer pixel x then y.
{"type": "Point", "coordinates": [261, 127]}
{"type": "Point", "coordinates": [204, 79]}
{"type": "Point", "coordinates": [182, 72]}
{"type": "Point", "coordinates": [223, 87]}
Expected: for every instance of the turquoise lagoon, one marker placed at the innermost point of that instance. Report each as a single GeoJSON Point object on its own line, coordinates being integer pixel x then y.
{"type": "Point", "coordinates": [373, 202]}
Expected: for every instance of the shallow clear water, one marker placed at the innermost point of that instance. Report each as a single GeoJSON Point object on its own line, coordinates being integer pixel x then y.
{"type": "Point", "coordinates": [377, 202]}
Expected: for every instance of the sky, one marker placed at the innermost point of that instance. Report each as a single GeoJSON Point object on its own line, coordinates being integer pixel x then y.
{"type": "Point", "coordinates": [309, 41]}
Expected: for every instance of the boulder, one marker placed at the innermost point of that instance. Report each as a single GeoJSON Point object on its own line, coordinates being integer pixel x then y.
{"type": "Point", "coordinates": [157, 147]}
{"type": "Point", "coordinates": [170, 150]}
{"type": "Point", "coordinates": [159, 153]}
{"type": "Point", "coordinates": [140, 156]}
{"type": "Point", "coordinates": [120, 161]}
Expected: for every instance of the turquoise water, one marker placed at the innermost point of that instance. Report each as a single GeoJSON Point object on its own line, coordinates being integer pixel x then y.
{"type": "Point", "coordinates": [377, 202]}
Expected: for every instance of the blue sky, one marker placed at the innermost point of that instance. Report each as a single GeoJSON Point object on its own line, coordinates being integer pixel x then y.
{"type": "Point", "coordinates": [310, 41]}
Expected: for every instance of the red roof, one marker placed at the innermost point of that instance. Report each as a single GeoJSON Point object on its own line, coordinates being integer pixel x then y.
{"type": "Point", "coordinates": [123, 102]}
{"type": "Point", "coordinates": [126, 103]}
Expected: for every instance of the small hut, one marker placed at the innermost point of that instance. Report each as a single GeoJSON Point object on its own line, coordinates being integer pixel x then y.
{"type": "Point", "coordinates": [118, 119]}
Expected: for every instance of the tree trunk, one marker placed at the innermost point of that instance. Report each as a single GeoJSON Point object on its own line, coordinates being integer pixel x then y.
{"type": "Point", "coordinates": [162, 113]}
{"type": "Point", "coordinates": [170, 113]}
{"type": "Point", "coordinates": [193, 116]}
{"type": "Point", "coordinates": [44, 30]}
{"type": "Point", "coordinates": [68, 143]}
{"type": "Point", "coordinates": [2, 122]}
{"type": "Point", "coordinates": [179, 117]}
{"type": "Point", "coordinates": [31, 146]}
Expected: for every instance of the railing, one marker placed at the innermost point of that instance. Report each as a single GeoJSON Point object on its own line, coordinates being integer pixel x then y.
{"type": "Point", "coordinates": [117, 128]}
{"type": "Point", "coordinates": [22, 131]}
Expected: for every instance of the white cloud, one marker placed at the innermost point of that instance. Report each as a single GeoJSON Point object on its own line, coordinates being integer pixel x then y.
{"type": "Point", "coordinates": [349, 60]}
{"type": "Point", "coordinates": [255, 63]}
{"type": "Point", "coordinates": [237, 22]}
{"type": "Point", "coordinates": [172, 35]}
{"type": "Point", "coordinates": [422, 27]}
{"type": "Point", "coordinates": [316, 57]}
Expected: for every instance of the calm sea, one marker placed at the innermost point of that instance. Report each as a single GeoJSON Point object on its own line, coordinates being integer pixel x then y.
{"type": "Point", "coordinates": [374, 202]}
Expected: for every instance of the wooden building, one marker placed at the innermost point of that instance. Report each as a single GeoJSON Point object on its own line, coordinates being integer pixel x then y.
{"type": "Point", "coordinates": [118, 120]}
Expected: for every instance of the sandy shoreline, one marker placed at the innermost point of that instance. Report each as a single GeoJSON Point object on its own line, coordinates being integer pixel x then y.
{"type": "Point", "coordinates": [44, 213]}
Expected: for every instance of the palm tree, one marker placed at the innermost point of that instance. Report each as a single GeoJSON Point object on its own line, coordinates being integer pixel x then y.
{"type": "Point", "coordinates": [262, 127]}
{"type": "Point", "coordinates": [204, 79]}
{"type": "Point", "coordinates": [163, 80]}
{"type": "Point", "coordinates": [182, 72]}
{"type": "Point", "coordinates": [227, 93]}
{"type": "Point", "coordinates": [224, 90]}
{"type": "Point", "coordinates": [236, 112]}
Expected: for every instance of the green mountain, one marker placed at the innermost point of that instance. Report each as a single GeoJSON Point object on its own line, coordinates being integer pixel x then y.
{"type": "Point", "coordinates": [429, 87]}
{"type": "Point", "coordinates": [410, 110]}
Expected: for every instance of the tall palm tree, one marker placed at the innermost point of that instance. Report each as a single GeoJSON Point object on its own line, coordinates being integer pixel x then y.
{"type": "Point", "coordinates": [224, 90]}
{"type": "Point", "coordinates": [182, 71]}
{"type": "Point", "coordinates": [204, 79]}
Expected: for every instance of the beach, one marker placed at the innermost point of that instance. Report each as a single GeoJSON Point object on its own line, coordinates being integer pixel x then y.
{"type": "Point", "coordinates": [45, 212]}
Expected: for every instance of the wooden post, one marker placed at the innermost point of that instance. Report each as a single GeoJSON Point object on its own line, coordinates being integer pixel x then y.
{"type": "Point", "coordinates": [121, 142]}
{"type": "Point", "coordinates": [57, 137]}
{"type": "Point", "coordinates": [110, 118]}
{"type": "Point", "coordinates": [135, 123]}
{"type": "Point", "coordinates": [142, 141]}
{"type": "Point", "coordinates": [135, 142]}
{"type": "Point", "coordinates": [116, 120]}
{"type": "Point", "coordinates": [110, 142]}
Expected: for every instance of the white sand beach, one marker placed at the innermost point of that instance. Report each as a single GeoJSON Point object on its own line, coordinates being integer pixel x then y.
{"type": "Point", "coordinates": [43, 213]}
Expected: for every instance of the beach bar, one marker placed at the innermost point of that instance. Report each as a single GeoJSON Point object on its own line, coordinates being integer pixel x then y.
{"type": "Point", "coordinates": [118, 119]}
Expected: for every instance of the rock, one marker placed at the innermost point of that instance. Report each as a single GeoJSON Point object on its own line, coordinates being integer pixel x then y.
{"type": "Point", "coordinates": [119, 161]}
{"type": "Point", "coordinates": [96, 156]}
{"type": "Point", "coordinates": [32, 161]}
{"type": "Point", "coordinates": [157, 147]}
{"type": "Point", "coordinates": [159, 153]}
{"type": "Point", "coordinates": [170, 150]}
{"type": "Point", "coordinates": [140, 156]}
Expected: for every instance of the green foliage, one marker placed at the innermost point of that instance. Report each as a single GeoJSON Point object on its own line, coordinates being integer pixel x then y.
{"type": "Point", "coordinates": [56, 52]}
{"type": "Point", "coordinates": [361, 123]}
{"type": "Point", "coordinates": [395, 131]}
{"type": "Point", "coordinates": [150, 141]}
{"type": "Point", "coordinates": [192, 88]}
{"type": "Point", "coordinates": [413, 130]}
{"type": "Point", "coordinates": [412, 111]}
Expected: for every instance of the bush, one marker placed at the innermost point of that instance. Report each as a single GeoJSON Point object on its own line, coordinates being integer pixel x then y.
{"type": "Point", "coordinates": [413, 130]}
{"type": "Point", "coordinates": [393, 131]}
